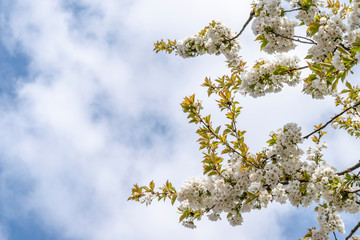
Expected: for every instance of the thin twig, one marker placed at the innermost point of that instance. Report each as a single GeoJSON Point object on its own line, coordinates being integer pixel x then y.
{"type": "Point", "coordinates": [287, 182]}
{"type": "Point", "coordinates": [331, 120]}
{"type": "Point", "coordinates": [335, 236]}
{"type": "Point", "coordinates": [292, 10]}
{"type": "Point", "coordinates": [355, 191]}
{"type": "Point", "coordinates": [300, 68]}
{"type": "Point", "coordinates": [252, 14]}
{"type": "Point", "coordinates": [353, 231]}
{"type": "Point", "coordinates": [309, 41]}
{"type": "Point", "coordinates": [349, 169]}
{"type": "Point", "coordinates": [343, 46]}
{"type": "Point", "coordinates": [217, 136]}
{"type": "Point", "coordinates": [233, 121]}
{"type": "Point", "coordinates": [296, 69]}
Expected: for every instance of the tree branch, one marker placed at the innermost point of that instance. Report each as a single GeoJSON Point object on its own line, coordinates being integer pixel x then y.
{"type": "Point", "coordinates": [252, 14]}
{"type": "Point", "coordinates": [356, 166]}
{"type": "Point", "coordinates": [331, 120]}
{"type": "Point", "coordinates": [353, 231]}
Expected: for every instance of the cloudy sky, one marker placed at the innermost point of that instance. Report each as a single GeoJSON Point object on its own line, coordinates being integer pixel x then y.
{"type": "Point", "coordinates": [87, 109]}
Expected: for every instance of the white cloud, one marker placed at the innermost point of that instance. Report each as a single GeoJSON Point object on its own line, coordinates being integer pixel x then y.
{"type": "Point", "coordinates": [80, 133]}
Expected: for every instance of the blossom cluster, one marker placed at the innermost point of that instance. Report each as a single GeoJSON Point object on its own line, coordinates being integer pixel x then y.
{"type": "Point", "coordinates": [328, 37]}
{"type": "Point", "coordinates": [315, 153]}
{"type": "Point", "coordinates": [329, 221]}
{"type": "Point", "coordinates": [276, 31]}
{"type": "Point", "coordinates": [351, 123]}
{"type": "Point", "coordinates": [285, 142]}
{"type": "Point", "coordinates": [337, 61]}
{"type": "Point", "coordinates": [279, 173]}
{"type": "Point", "coordinates": [270, 75]}
{"type": "Point", "coordinates": [318, 88]}
{"type": "Point", "coordinates": [307, 16]}
{"type": "Point", "coordinates": [216, 39]}
{"type": "Point", "coordinates": [283, 178]}
{"type": "Point", "coordinates": [353, 17]}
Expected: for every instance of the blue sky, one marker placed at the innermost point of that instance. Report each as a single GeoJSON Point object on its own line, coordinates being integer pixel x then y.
{"type": "Point", "coordinates": [88, 109]}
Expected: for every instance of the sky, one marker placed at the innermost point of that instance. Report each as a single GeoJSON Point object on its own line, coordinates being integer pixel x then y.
{"type": "Point", "coordinates": [87, 109]}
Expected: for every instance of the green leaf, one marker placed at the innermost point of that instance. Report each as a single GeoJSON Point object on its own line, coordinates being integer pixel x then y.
{"type": "Point", "coordinates": [260, 37]}
{"type": "Point", "coordinates": [355, 49]}
{"type": "Point", "coordinates": [263, 44]}
{"type": "Point", "coordinates": [207, 119]}
{"type": "Point", "coordinates": [183, 216]}
{"type": "Point", "coordinates": [263, 41]}
{"type": "Point", "coordinates": [327, 65]}
{"type": "Point", "coordinates": [173, 199]}
{"type": "Point", "coordinates": [316, 68]}
{"type": "Point", "coordinates": [152, 185]}
{"type": "Point", "coordinates": [243, 168]}
{"type": "Point", "coordinates": [347, 59]}
{"type": "Point", "coordinates": [342, 50]}
{"type": "Point", "coordinates": [347, 84]}
{"type": "Point", "coordinates": [313, 28]}
{"type": "Point", "coordinates": [217, 129]}
{"type": "Point", "coordinates": [226, 150]}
